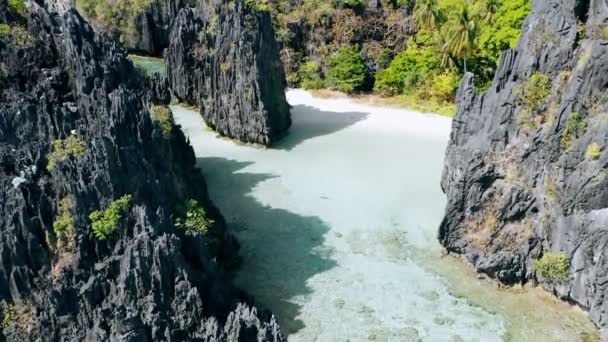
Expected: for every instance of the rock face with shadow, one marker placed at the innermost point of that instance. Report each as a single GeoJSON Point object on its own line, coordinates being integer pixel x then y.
{"type": "Point", "coordinates": [526, 169]}
{"type": "Point", "coordinates": [76, 134]}
{"type": "Point", "coordinates": [224, 58]}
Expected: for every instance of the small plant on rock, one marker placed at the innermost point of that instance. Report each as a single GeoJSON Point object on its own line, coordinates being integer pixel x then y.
{"type": "Point", "coordinates": [20, 316]}
{"type": "Point", "coordinates": [105, 223]}
{"type": "Point", "coordinates": [164, 117]}
{"type": "Point", "coordinates": [18, 8]}
{"type": "Point", "coordinates": [195, 219]}
{"type": "Point", "coordinates": [594, 151]}
{"type": "Point", "coordinates": [71, 146]}
{"type": "Point", "coordinates": [64, 225]}
{"type": "Point", "coordinates": [575, 127]}
{"type": "Point", "coordinates": [553, 266]}
{"type": "Point", "coordinates": [532, 94]}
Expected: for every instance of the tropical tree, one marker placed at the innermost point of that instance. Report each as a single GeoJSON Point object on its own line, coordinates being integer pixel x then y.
{"type": "Point", "coordinates": [489, 9]}
{"type": "Point", "coordinates": [464, 31]}
{"type": "Point", "coordinates": [426, 13]}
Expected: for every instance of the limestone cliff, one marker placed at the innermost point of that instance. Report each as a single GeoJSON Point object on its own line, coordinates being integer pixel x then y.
{"type": "Point", "coordinates": [526, 169]}
{"type": "Point", "coordinates": [91, 191]}
{"type": "Point", "coordinates": [224, 58]}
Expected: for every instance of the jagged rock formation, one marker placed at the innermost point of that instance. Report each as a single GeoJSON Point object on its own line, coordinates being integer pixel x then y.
{"type": "Point", "coordinates": [526, 169]}
{"type": "Point", "coordinates": [224, 57]}
{"type": "Point", "coordinates": [60, 282]}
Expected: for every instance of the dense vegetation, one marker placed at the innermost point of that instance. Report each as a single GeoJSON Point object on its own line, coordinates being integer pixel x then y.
{"type": "Point", "coordinates": [419, 57]}
{"type": "Point", "coordinates": [120, 17]}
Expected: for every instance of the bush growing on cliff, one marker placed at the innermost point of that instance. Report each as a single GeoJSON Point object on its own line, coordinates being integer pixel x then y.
{"type": "Point", "coordinates": [258, 5]}
{"type": "Point", "coordinates": [163, 116]}
{"type": "Point", "coordinates": [71, 146]}
{"type": "Point", "coordinates": [20, 316]}
{"type": "Point", "coordinates": [532, 94]}
{"type": "Point", "coordinates": [575, 127]}
{"type": "Point", "coordinates": [17, 8]}
{"type": "Point", "coordinates": [594, 151]}
{"type": "Point", "coordinates": [346, 70]}
{"type": "Point", "coordinates": [553, 266]}
{"type": "Point", "coordinates": [195, 218]}
{"type": "Point", "coordinates": [105, 223]}
{"type": "Point", "coordinates": [64, 225]}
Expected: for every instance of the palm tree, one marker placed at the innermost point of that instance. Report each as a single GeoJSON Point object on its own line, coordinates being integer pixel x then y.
{"type": "Point", "coordinates": [489, 9]}
{"type": "Point", "coordinates": [464, 31]}
{"type": "Point", "coordinates": [426, 13]}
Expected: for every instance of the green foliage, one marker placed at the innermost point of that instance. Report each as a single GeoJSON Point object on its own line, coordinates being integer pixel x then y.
{"type": "Point", "coordinates": [504, 31]}
{"type": "Point", "coordinates": [553, 266]}
{"type": "Point", "coordinates": [119, 16]}
{"type": "Point", "coordinates": [310, 75]}
{"type": "Point", "coordinates": [64, 225]}
{"type": "Point", "coordinates": [163, 116]}
{"type": "Point", "coordinates": [408, 71]}
{"type": "Point", "coordinates": [444, 86]}
{"type": "Point", "coordinates": [195, 218]}
{"type": "Point", "coordinates": [17, 8]}
{"type": "Point", "coordinates": [71, 146]}
{"type": "Point", "coordinates": [575, 127]}
{"type": "Point", "coordinates": [105, 223]}
{"type": "Point", "coordinates": [346, 70]}
{"type": "Point", "coordinates": [21, 316]}
{"type": "Point", "coordinates": [352, 3]}
{"type": "Point", "coordinates": [15, 35]}
{"type": "Point", "coordinates": [532, 93]}
{"type": "Point", "coordinates": [258, 5]}
{"type": "Point", "coordinates": [594, 151]}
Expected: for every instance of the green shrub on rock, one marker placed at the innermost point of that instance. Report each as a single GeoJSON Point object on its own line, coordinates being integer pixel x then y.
{"type": "Point", "coordinates": [64, 225]}
{"type": "Point", "coordinates": [105, 223]}
{"type": "Point", "coordinates": [195, 218]}
{"type": "Point", "coordinates": [553, 266]}
{"type": "Point", "coordinates": [18, 8]}
{"type": "Point", "coordinates": [594, 151]}
{"type": "Point", "coordinates": [164, 117]}
{"type": "Point", "coordinates": [575, 127]}
{"type": "Point", "coordinates": [532, 94]}
{"type": "Point", "coordinates": [71, 146]}
{"type": "Point", "coordinates": [346, 71]}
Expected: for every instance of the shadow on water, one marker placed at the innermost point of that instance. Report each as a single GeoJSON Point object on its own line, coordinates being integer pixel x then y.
{"type": "Point", "coordinates": [280, 250]}
{"type": "Point", "coordinates": [310, 122]}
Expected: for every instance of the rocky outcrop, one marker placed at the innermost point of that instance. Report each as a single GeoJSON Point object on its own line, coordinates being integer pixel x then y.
{"type": "Point", "coordinates": [153, 26]}
{"type": "Point", "coordinates": [526, 169]}
{"type": "Point", "coordinates": [76, 134]}
{"type": "Point", "coordinates": [224, 58]}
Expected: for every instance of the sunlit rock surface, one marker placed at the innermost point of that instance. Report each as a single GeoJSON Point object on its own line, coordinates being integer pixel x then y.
{"type": "Point", "coordinates": [338, 226]}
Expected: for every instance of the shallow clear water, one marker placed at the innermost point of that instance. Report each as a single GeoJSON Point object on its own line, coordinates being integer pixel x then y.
{"type": "Point", "coordinates": [151, 65]}
{"type": "Point", "coordinates": [338, 229]}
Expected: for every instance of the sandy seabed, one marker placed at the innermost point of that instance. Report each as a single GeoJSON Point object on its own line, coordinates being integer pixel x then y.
{"type": "Point", "coordinates": [338, 226]}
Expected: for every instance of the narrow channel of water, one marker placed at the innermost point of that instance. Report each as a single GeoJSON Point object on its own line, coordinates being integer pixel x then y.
{"type": "Point", "coordinates": [338, 226]}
